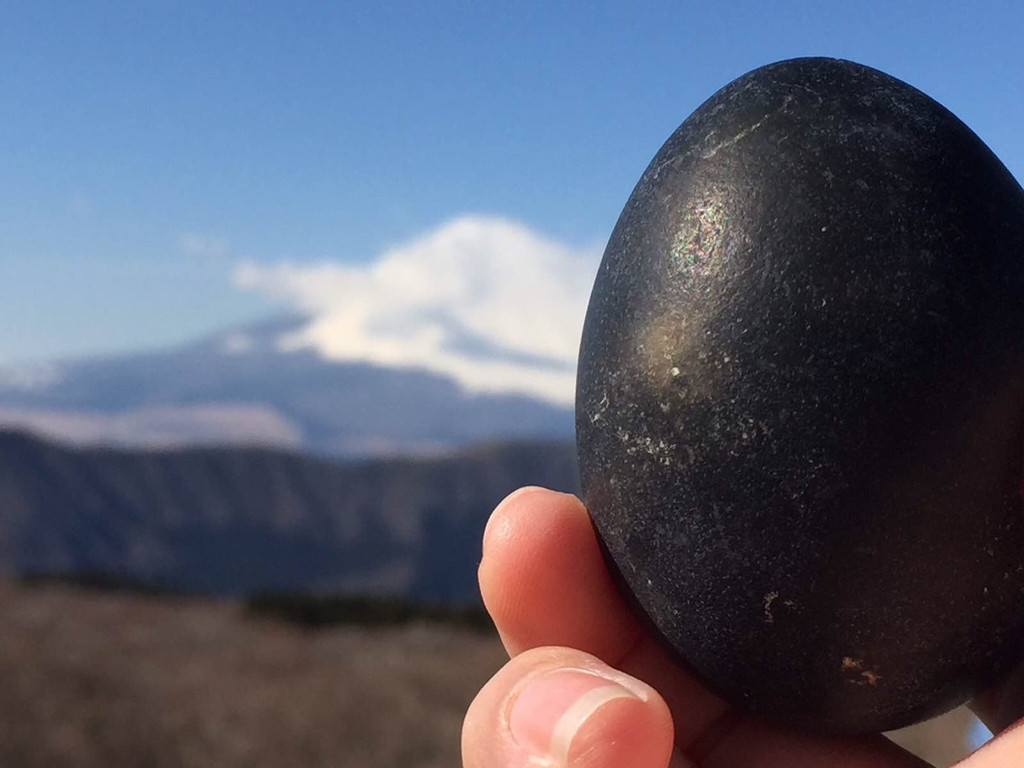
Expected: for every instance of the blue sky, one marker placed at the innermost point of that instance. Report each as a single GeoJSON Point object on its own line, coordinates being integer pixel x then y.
{"type": "Point", "coordinates": [168, 169]}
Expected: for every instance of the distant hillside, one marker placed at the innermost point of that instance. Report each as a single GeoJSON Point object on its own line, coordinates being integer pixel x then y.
{"type": "Point", "coordinates": [240, 387]}
{"type": "Point", "coordinates": [234, 521]}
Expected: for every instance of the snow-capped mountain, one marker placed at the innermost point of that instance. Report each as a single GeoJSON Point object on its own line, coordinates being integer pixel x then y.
{"type": "Point", "coordinates": [244, 386]}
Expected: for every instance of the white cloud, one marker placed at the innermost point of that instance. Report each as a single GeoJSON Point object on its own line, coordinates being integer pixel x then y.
{"type": "Point", "coordinates": [487, 301]}
{"type": "Point", "coordinates": [206, 246]}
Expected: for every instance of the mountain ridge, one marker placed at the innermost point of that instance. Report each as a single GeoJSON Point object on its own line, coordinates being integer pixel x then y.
{"type": "Point", "coordinates": [241, 520]}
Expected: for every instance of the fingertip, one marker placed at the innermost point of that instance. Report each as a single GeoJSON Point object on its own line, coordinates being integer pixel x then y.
{"type": "Point", "coordinates": [560, 707]}
{"type": "Point", "coordinates": [544, 581]}
{"type": "Point", "coordinates": [519, 534]}
{"type": "Point", "coordinates": [624, 731]}
{"type": "Point", "coordinates": [501, 527]}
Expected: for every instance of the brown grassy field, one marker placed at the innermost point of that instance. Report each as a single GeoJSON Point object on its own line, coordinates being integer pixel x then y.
{"type": "Point", "coordinates": [94, 679]}
{"type": "Point", "coordinates": [91, 679]}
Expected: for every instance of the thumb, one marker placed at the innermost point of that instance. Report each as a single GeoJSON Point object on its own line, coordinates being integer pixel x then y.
{"type": "Point", "coordinates": [561, 708]}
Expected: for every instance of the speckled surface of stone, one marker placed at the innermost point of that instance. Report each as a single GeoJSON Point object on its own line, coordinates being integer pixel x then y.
{"type": "Point", "coordinates": [800, 400]}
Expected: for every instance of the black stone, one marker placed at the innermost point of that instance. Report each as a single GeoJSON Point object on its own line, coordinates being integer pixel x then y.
{"type": "Point", "coordinates": [800, 401]}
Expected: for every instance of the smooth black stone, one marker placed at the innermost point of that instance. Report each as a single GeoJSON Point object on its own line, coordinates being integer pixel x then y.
{"type": "Point", "coordinates": [800, 400]}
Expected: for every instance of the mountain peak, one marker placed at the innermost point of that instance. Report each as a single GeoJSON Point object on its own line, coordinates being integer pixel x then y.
{"type": "Point", "coordinates": [243, 386]}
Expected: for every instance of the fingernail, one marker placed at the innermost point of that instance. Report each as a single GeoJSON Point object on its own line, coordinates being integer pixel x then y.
{"type": "Point", "coordinates": [549, 712]}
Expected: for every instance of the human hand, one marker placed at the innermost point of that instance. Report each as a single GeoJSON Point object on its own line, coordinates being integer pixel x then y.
{"type": "Point", "coordinates": [587, 687]}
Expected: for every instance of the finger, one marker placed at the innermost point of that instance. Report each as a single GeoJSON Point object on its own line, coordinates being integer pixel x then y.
{"type": "Point", "coordinates": [558, 707]}
{"type": "Point", "coordinates": [544, 582]}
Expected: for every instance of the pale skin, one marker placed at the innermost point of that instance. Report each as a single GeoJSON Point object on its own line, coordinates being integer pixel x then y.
{"type": "Point", "coordinates": [586, 687]}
